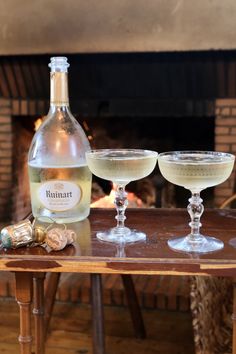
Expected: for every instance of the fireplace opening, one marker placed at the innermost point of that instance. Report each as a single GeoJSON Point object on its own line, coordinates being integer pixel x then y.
{"type": "Point", "coordinates": [159, 134]}
{"type": "Point", "coordinates": [162, 134]}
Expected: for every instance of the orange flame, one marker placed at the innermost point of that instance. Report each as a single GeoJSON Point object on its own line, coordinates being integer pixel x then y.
{"type": "Point", "coordinates": [108, 201]}
{"type": "Point", "coordinates": [37, 123]}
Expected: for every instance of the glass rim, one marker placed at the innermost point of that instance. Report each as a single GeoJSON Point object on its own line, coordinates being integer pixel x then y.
{"type": "Point", "coordinates": [206, 152]}
{"type": "Point", "coordinates": [149, 153]}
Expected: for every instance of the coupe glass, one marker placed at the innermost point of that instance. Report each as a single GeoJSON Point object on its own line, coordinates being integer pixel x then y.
{"type": "Point", "coordinates": [195, 170]}
{"type": "Point", "coordinates": [121, 166]}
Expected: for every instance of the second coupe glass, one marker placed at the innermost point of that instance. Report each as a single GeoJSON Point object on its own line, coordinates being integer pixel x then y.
{"type": "Point", "coordinates": [195, 170]}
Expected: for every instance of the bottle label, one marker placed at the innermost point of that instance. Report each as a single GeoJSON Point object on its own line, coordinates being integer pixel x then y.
{"type": "Point", "coordinates": [59, 195]}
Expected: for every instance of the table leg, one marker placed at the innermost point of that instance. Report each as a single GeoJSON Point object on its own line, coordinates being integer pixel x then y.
{"type": "Point", "coordinates": [50, 296]}
{"type": "Point", "coordinates": [24, 298]}
{"type": "Point", "coordinates": [97, 314]}
{"type": "Point", "coordinates": [38, 312]}
{"type": "Point", "coordinates": [134, 308]}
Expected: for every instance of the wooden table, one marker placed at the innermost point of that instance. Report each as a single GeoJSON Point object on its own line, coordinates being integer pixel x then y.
{"type": "Point", "coordinates": [88, 255]}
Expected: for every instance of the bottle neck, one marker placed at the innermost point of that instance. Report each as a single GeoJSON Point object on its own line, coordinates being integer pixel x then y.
{"type": "Point", "coordinates": [59, 89]}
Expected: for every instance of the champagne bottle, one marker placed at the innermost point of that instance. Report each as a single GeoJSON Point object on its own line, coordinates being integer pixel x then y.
{"type": "Point", "coordinates": [60, 181]}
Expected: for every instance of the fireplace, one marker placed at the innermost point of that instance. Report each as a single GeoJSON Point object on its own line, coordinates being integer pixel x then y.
{"type": "Point", "coordinates": [159, 101]}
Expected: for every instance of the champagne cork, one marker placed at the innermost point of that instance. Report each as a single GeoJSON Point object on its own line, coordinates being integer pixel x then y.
{"type": "Point", "coordinates": [70, 235]}
{"type": "Point", "coordinates": [56, 239]}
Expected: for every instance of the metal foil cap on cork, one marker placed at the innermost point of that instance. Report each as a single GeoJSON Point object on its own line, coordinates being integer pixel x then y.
{"type": "Point", "coordinates": [17, 235]}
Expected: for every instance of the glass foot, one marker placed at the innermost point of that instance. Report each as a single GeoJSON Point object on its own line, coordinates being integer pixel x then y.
{"type": "Point", "coordinates": [204, 245]}
{"type": "Point", "coordinates": [121, 235]}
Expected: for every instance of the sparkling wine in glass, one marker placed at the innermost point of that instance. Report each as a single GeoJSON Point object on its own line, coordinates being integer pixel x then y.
{"type": "Point", "coordinates": [121, 166]}
{"type": "Point", "coordinates": [195, 170]}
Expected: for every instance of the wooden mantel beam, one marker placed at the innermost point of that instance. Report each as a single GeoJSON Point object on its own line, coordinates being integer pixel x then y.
{"type": "Point", "coordinates": [78, 26]}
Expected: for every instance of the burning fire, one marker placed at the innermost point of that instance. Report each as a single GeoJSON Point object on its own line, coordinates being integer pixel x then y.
{"type": "Point", "coordinates": [108, 201]}
{"type": "Point", "coordinates": [37, 123]}
{"type": "Point", "coordinates": [87, 129]}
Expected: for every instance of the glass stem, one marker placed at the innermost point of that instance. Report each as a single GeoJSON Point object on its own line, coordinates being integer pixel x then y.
{"type": "Point", "coordinates": [121, 203]}
{"type": "Point", "coordinates": [195, 210]}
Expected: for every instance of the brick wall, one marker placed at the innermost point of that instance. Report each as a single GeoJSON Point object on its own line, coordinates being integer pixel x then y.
{"type": "Point", "coordinates": [20, 191]}
{"type": "Point", "coordinates": [5, 159]}
{"type": "Point", "coordinates": [225, 140]}
{"type": "Point", "coordinates": [15, 141]}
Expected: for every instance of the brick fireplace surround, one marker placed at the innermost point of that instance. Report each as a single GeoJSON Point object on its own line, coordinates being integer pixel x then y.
{"type": "Point", "coordinates": [225, 140]}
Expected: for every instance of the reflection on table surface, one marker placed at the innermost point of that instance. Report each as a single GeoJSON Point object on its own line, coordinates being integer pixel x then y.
{"type": "Point", "coordinates": [158, 224]}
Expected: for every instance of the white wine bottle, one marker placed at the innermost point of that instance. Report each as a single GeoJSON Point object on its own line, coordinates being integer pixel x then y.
{"type": "Point", "coordinates": [60, 181]}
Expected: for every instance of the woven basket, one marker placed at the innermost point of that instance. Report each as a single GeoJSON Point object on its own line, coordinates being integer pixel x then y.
{"type": "Point", "coordinates": [212, 307]}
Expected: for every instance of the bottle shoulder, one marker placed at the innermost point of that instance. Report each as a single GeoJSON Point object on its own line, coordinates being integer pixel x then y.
{"type": "Point", "coordinates": [60, 118]}
{"type": "Point", "coordinates": [60, 137]}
